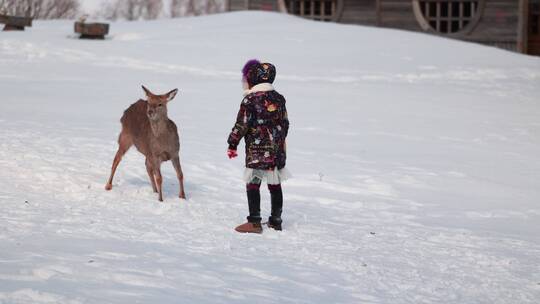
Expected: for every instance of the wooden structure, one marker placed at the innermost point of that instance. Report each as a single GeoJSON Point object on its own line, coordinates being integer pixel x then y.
{"type": "Point", "coordinates": [533, 29]}
{"type": "Point", "coordinates": [91, 30]}
{"type": "Point", "coordinates": [508, 24]}
{"type": "Point", "coordinates": [15, 23]}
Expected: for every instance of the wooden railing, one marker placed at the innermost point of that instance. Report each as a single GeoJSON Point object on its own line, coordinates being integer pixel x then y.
{"type": "Point", "coordinates": [323, 10]}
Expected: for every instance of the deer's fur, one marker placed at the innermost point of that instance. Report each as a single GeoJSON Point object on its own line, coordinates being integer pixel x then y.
{"type": "Point", "coordinates": [145, 124]}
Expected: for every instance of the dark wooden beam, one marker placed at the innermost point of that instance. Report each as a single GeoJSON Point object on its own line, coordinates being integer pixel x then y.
{"type": "Point", "coordinates": [523, 25]}
{"type": "Point", "coordinates": [378, 13]}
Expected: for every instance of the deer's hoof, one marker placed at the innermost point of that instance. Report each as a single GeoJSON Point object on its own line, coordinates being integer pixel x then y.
{"type": "Point", "coordinates": [108, 187]}
{"type": "Point", "coordinates": [182, 196]}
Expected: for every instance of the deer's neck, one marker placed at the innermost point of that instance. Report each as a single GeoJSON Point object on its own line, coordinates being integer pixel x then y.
{"type": "Point", "coordinates": [159, 126]}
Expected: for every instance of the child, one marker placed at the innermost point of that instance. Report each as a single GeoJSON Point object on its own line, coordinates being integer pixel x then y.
{"type": "Point", "coordinates": [262, 122]}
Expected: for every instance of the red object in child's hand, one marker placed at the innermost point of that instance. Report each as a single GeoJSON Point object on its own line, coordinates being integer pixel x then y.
{"type": "Point", "coordinates": [231, 153]}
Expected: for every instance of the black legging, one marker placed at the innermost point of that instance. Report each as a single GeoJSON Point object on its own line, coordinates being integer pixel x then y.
{"type": "Point", "coordinates": [254, 202]}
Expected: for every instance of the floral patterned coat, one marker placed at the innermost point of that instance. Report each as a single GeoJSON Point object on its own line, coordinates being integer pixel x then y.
{"type": "Point", "coordinates": [262, 121]}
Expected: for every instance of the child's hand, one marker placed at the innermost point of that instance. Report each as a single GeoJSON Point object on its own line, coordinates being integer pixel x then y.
{"type": "Point", "coordinates": [231, 153]}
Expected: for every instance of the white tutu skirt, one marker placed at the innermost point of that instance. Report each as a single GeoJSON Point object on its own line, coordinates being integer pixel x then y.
{"type": "Point", "coordinates": [271, 177]}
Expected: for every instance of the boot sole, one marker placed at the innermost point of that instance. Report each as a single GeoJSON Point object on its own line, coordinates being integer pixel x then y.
{"type": "Point", "coordinates": [241, 231]}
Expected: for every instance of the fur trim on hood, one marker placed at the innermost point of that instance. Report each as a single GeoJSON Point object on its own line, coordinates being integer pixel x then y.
{"type": "Point", "coordinates": [261, 87]}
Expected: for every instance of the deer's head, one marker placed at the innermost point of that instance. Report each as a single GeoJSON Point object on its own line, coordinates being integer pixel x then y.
{"type": "Point", "coordinates": [157, 104]}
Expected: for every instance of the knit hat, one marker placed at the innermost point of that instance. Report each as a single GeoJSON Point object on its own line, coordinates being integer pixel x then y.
{"type": "Point", "coordinates": [255, 72]}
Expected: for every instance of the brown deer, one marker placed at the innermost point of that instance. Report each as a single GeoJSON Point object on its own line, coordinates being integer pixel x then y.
{"type": "Point", "coordinates": [145, 124]}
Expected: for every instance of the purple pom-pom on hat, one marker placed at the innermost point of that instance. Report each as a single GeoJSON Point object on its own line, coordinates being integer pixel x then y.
{"type": "Point", "coordinates": [251, 63]}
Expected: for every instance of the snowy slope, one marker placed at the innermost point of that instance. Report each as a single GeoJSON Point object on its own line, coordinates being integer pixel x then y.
{"type": "Point", "coordinates": [415, 159]}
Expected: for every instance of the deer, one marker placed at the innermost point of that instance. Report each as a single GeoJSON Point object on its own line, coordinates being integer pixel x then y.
{"type": "Point", "coordinates": [146, 125]}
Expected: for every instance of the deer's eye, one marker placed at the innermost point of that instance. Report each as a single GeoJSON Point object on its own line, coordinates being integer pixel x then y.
{"type": "Point", "coordinates": [159, 105]}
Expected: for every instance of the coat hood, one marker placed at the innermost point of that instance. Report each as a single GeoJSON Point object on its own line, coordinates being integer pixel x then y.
{"type": "Point", "coordinates": [255, 72]}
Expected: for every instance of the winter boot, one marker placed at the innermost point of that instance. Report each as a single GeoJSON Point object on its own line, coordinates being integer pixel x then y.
{"type": "Point", "coordinates": [253, 224]}
{"type": "Point", "coordinates": [274, 223]}
{"type": "Point", "coordinates": [276, 198]}
{"type": "Point", "coordinates": [249, 228]}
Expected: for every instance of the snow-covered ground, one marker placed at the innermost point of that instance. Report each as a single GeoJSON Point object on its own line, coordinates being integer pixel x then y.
{"type": "Point", "coordinates": [415, 159]}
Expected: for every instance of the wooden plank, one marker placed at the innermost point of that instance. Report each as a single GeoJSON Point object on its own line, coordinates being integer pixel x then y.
{"type": "Point", "coordinates": [359, 12]}
{"type": "Point", "coordinates": [237, 5]}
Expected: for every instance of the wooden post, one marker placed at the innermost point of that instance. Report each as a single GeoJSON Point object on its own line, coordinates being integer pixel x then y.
{"type": "Point", "coordinates": [461, 15]}
{"type": "Point", "coordinates": [438, 28]}
{"type": "Point", "coordinates": [523, 25]}
{"type": "Point", "coordinates": [282, 7]}
{"type": "Point", "coordinates": [378, 12]}
{"type": "Point", "coordinates": [449, 16]}
{"type": "Point", "coordinates": [291, 7]}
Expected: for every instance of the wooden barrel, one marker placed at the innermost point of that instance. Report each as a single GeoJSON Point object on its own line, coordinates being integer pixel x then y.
{"type": "Point", "coordinates": [92, 30]}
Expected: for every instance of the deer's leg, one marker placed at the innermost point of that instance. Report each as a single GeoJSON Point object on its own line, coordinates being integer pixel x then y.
{"type": "Point", "coordinates": [180, 175]}
{"type": "Point", "coordinates": [150, 169]}
{"type": "Point", "coordinates": [124, 143]}
{"type": "Point", "coordinates": [159, 181]}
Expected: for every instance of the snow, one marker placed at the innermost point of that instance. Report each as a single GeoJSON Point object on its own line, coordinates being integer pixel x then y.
{"type": "Point", "coordinates": [415, 163]}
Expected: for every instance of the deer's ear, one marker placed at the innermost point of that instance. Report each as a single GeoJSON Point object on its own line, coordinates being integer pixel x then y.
{"type": "Point", "coordinates": [146, 91]}
{"type": "Point", "coordinates": [171, 94]}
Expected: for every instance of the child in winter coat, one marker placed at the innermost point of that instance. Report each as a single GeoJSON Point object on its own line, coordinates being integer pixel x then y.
{"type": "Point", "coordinates": [262, 122]}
